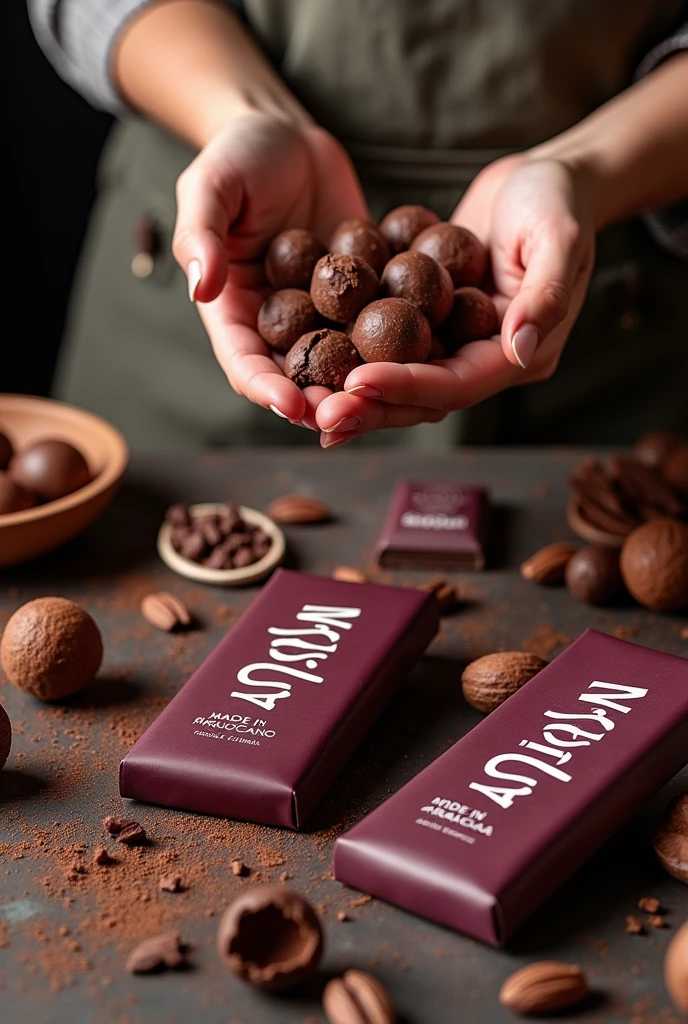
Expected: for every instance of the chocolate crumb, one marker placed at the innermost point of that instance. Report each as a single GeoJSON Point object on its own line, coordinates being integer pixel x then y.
{"type": "Point", "coordinates": [170, 883]}
{"type": "Point", "coordinates": [361, 901]}
{"type": "Point", "coordinates": [113, 824]}
{"type": "Point", "coordinates": [342, 916]}
{"type": "Point", "coordinates": [132, 834]}
{"type": "Point", "coordinates": [656, 921]}
{"type": "Point", "coordinates": [238, 868]}
{"type": "Point", "coordinates": [101, 856]}
{"type": "Point", "coordinates": [156, 954]}
{"type": "Point", "coordinates": [634, 926]}
{"type": "Point", "coordinates": [649, 904]}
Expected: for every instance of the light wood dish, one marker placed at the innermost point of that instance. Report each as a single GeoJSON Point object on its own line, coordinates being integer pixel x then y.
{"type": "Point", "coordinates": [225, 577]}
{"type": "Point", "coordinates": [27, 419]}
{"type": "Point", "coordinates": [587, 531]}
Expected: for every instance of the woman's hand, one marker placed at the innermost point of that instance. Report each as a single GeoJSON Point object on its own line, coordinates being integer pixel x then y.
{"type": "Point", "coordinates": [536, 221]}
{"type": "Point", "coordinates": [258, 176]}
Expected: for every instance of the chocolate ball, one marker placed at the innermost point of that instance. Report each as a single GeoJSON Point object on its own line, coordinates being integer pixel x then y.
{"type": "Point", "coordinates": [421, 280]}
{"type": "Point", "coordinates": [392, 331]}
{"type": "Point", "coordinates": [473, 316]}
{"type": "Point", "coordinates": [6, 451]}
{"type": "Point", "coordinates": [361, 238]}
{"type": "Point", "coordinates": [285, 316]}
{"type": "Point", "coordinates": [653, 448]}
{"type": "Point", "coordinates": [675, 469]}
{"type": "Point", "coordinates": [324, 357]}
{"type": "Point", "coordinates": [400, 226]}
{"type": "Point", "coordinates": [5, 737]}
{"type": "Point", "coordinates": [270, 937]}
{"type": "Point", "coordinates": [13, 498]}
{"type": "Point", "coordinates": [437, 350]}
{"type": "Point", "coordinates": [291, 259]}
{"type": "Point", "coordinates": [593, 575]}
{"type": "Point", "coordinates": [457, 249]}
{"type": "Point", "coordinates": [654, 564]}
{"type": "Point", "coordinates": [342, 285]}
{"type": "Point", "coordinates": [50, 469]}
{"type": "Point", "coordinates": [51, 648]}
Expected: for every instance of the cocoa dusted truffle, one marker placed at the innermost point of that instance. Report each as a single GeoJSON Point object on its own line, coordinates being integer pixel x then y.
{"type": "Point", "coordinates": [423, 281]}
{"type": "Point", "coordinates": [51, 648]}
{"type": "Point", "coordinates": [270, 937]}
{"type": "Point", "coordinates": [6, 451]}
{"type": "Point", "coordinates": [473, 316]}
{"type": "Point", "coordinates": [291, 258]}
{"type": "Point", "coordinates": [401, 225]}
{"type": "Point", "coordinates": [285, 316]}
{"type": "Point", "coordinates": [392, 331]}
{"type": "Point", "coordinates": [342, 285]}
{"type": "Point", "coordinates": [50, 469]}
{"type": "Point", "coordinates": [5, 737]}
{"type": "Point", "coordinates": [361, 238]}
{"type": "Point", "coordinates": [324, 357]}
{"type": "Point", "coordinates": [457, 249]}
{"type": "Point", "coordinates": [654, 564]}
{"type": "Point", "coordinates": [13, 498]}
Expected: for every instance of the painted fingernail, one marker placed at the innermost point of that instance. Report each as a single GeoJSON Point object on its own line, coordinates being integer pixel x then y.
{"type": "Point", "coordinates": [365, 391]}
{"type": "Point", "coordinates": [278, 412]}
{"type": "Point", "coordinates": [327, 441]}
{"type": "Point", "coordinates": [348, 423]}
{"type": "Point", "coordinates": [194, 275]}
{"type": "Point", "coordinates": [523, 344]}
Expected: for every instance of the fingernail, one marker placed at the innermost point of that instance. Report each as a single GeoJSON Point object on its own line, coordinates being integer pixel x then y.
{"type": "Point", "coordinates": [523, 344]}
{"type": "Point", "coordinates": [348, 423]}
{"type": "Point", "coordinates": [365, 391]}
{"type": "Point", "coordinates": [277, 412]}
{"type": "Point", "coordinates": [327, 441]}
{"type": "Point", "coordinates": [194, 275]}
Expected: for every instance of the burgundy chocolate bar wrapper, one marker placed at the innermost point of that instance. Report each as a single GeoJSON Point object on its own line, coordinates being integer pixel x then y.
{"type": "Point", "coordinates": [271, 716]}
{"type": "Point", "coordinates": [484, 834]}
{"type": "Point", "coordinates": [439, 525]}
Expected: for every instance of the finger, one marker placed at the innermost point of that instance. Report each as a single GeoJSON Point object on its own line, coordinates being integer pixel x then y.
{"type": "Point", "coordinates": [343, 414]}
{"type": "Point", "coordinates": [314, 396]}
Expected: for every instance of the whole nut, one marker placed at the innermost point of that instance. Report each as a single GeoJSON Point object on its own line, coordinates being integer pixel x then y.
{"type": "Point", "coordinates": [298, 508]}
{"type": "Point", "coordinates": [545, 987]}
{"type": "Point", "coordinates": [165, 611]}
{"type": "Point", "coordinates": [671, 838]}
{"type": "Point", "coordinates": [358, 998]}
{"type": "Point", "coordinates": [488, 681]}
{"type": "Point", "coordinates": [676, 969]}
{"type": "Point", "coordinates": [548, 564]}
{"type": "Point", "coordinates": [654, 564]}
{"type": "Point", "coordinates": [593, 575]}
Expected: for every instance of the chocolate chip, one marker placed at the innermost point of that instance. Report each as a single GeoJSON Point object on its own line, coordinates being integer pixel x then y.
{"type": "Point", "coordinates": [132, 834]}
{"type": "Point", "coordinates": [156, 954]}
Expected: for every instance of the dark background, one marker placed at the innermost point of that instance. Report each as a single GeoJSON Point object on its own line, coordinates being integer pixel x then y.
{"type": "Point", "coordinates": [51, 142]}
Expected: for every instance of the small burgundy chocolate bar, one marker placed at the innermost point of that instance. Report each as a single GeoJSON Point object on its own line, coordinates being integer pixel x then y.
{"type": "Point", "coordinates": [484, 834]}
{"type": "Point", "coordinates": [434, 525]}
{"type": "Point", "coordinates": [265, 724]}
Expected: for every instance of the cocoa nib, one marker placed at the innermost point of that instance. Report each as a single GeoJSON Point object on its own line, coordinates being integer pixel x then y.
{"type": "Point", "coordinates": [132, 834]}
{"type": "Point", "coordinates": [113, 824]}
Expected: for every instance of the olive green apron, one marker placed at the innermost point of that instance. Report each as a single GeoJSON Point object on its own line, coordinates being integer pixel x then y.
{"type": "Point", "coordinates": [423, 96]}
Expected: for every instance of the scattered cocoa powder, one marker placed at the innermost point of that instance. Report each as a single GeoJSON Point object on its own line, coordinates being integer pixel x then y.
{"type": "Point", "coordinates": [545, 640]}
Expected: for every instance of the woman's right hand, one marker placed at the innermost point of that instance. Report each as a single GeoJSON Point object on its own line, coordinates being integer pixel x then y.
{"type": "Point", "coordinates": [258, 176]}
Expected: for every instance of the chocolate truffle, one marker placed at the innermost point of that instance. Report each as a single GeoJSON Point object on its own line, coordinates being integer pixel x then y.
{"type": "Point", "coordinates": [285, 316]}
{"type": "Point", "coordinates": [50, 469]}
{"type": "Point", "coordinates": [361, 238]}
{"type": "Point", "coordinates": [322, 357]}
{"type": "Point", "coordinates": [654, 564]}
{"type": "Point", "coordinates": [342, 285]}
{"type": "Point", "coordinates": [6, 451]}
{"type": "Point", "coordinates": [51, 648]}
{"type": "Point", "coordinates": [270, 937]}
{"type": "Point", "coordinates": [653, 448]}
{"type": "Point", "coordinates": [291, 259]}
{"type": "Point", "coordinates": [473, 316]}
{"type": "Point", "coordinates": [592, 574]}
{"type": "Point", "coordinates": [457, 249]}
{"type": "Point", "coordinates": [392, 331]}
{"type": "Point", "coordinates": [13, 498]}
{"type": "Point", "coordinates": [675, 469]}
{"type": "Point", "coordinates": [5, 737]}
{"type": "Point", "coordinates": [400, 226]}
{"type": "Point", "coordinates": [421, 280]}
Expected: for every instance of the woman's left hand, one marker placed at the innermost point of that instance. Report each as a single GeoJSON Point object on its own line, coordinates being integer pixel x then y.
{"type": "Point", "coordinates": [535, 218]}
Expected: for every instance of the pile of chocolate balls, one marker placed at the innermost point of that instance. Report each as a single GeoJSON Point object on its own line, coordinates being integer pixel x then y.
{"type": "Point", "coordinates": [404, 292]}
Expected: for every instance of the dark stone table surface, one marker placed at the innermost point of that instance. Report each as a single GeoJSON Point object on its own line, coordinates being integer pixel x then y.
{"type": "Point", "coordinates": [66, 925]}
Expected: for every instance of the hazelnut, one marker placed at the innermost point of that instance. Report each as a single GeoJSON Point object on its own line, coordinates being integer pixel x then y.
{"type": "Point", "coordinates": [488, 681]}
{"type": "Point", "coordinates": [421, 280]}
{"type": "Point", "coordinates": [593, 575]}
{"type": "Point", "coordinates": [473, 316]}
{"type": "Point", "coordinates": [400, 226]}
{"type": "Point", "coordinates": [653, 448]}
{"type": "Point", "coordinates": [6, 451]}
{"type": "Point", "coordinates": [671, 838]}
{"type": "Point", "coordinates": [51, 648]}
{"type": "Point", "coordinates": [5, 737]}
{"type": "Point", "coordinates": [342, 285]}
{"type": "Point", "coordinates": [457, 249]}
{"type": "Point", "coordinates": [361, 238]}
{"type": "Point", "coordinates": [676, 969]}
{"type": "Point", "coordinates": [654, 564]}
{"type": "Point", "coordinates": [392, 331]}
{"type": "Point", "coordinates": [50, 469]}
{"type": "Point", "coordinates": [291, 259]}
{"type": "Point", "coordinates": [285, 316]}
{"type": "Point", "coordinates": [322, 357]}
{"type": "Point", "coordinates": [13, 498]}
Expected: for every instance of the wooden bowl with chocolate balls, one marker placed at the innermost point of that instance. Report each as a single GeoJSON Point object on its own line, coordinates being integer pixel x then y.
{"type": "Point", "coordinates": [59, 468]}
{"type": "Point", "coordinates": [408, 290]}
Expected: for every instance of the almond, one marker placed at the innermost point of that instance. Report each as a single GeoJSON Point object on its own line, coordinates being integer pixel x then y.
{"type": "Point", "coordinates": [298, 508]}
{"type": "Point", "coordinates": [545, 987]}
{"type": "Point", "coordinates": [358, 998]}
{"type": "Point", "coordinates": [444, 592]}
{"type": "Point", "coordinates": [548, 564]}
{"type": "Point", "coordinates": [165, 611]}
{"type": "Point", "coordinates": [348, 574]}
{"type": "Point", "coordinates": [488, 681]}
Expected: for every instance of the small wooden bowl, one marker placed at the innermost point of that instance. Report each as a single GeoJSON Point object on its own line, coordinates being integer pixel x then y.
{"type": "Point", "coordinates": [27, 419]}
{"type": "Point", "coordinates": [593, 534]}
{"type": "Point", "coordinates": [225, 577]}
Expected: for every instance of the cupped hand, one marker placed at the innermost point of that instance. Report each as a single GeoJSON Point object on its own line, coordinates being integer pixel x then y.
{"type": "Point", "coordinates": [257, 177]}
{"type": "Point", "coordinates": [534, 216]}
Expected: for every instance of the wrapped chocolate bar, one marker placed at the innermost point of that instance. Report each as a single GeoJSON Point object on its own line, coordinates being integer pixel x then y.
{"type": "Point", "coordinates": [484, 834]}
{"type": "Point", "coordinates": [265, 724]}
{"type": "Point", "coordinates": [435, 526]}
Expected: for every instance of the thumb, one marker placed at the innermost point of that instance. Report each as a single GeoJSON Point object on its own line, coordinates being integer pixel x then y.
{"type": "Point", "coordinates": [544, 297]}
